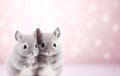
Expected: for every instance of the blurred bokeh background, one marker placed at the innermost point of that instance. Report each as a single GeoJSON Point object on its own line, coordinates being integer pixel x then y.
{"type": "Point", "coordinates": [90, 28]}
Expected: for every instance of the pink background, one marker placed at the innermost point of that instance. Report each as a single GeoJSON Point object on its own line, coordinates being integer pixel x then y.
{"type": "Point", "coordinates": [90, 28]}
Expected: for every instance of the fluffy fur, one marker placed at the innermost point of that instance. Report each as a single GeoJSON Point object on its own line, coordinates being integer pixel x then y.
{"type": "Point", "coordinates": [23, 61]}
{"type": "Point", "coordinates": [50, 57]}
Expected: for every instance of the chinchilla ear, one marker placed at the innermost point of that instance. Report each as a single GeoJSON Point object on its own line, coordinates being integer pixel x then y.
{"type": "Point", "coordinates": [35, 34]}
{"type": "Point", "coordinates": [18, 36]}
{"type": "Point", "coordinates": [38, 35]}
{"type": "Point", "coordinates": [57, 32]}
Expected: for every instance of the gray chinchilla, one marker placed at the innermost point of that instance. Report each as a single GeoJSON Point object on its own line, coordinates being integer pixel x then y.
{"type": "Point", "coordinates": [23, 61]}
{"type": "Point", "coordinates": [50, 57]}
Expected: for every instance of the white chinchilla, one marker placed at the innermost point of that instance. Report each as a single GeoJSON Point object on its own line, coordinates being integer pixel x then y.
{"type": "Point", "coordinates": [23, 61]}
{"type": "Point", "coordinates": [50, 57]}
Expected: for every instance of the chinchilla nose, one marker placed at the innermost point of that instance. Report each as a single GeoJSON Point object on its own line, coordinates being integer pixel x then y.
{"type": "Point", "coordinates": [31, 54]}
{"type": "Point", "coordinates": [48, 51]}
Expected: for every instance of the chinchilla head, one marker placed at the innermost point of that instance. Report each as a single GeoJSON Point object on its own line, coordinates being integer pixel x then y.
{"type": "Point", "coordinates": [48, 42]}
{"type": "Point", "coordinates": [27, 45]}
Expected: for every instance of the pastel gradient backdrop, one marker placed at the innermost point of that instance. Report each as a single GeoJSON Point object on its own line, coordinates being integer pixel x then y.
{"type": "Point", "coordinates": [90, 29]}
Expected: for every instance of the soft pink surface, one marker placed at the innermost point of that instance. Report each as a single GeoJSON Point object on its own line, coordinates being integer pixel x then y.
{"type": "Point", "coordinates": [85, 70]}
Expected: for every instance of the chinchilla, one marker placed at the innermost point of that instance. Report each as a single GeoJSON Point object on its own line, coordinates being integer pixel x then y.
{"type": "Point", "coordinates": [50, 56]}
{"type": "Point", "coordinates": [23, 60]}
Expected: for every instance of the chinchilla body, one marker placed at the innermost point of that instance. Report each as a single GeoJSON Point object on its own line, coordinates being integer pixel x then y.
{"type": "Point", "coordinates": [23, 60]}
{"type": "Point", "coordinates": [50, 56]}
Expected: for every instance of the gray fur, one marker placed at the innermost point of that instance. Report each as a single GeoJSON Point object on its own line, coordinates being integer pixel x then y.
{"type": "Point", "coordinates": [50, 57]}
{"type": "Point", "coordinates": [22, 58]}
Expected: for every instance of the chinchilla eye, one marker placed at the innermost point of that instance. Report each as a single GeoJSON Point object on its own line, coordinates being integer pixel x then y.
{"type": "Point", "coordinates": [25, 46]}
{"type": "Point", "coordinates": [54, 44]}
{"type": "Point", "coordinates": [36, 45]}
{"type": "Point", "coordinates": [42, 45]}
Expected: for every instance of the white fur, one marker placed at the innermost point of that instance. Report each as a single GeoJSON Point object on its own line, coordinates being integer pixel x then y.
{"type": "Point", "coordinates": [31, 60]}
{"type": "Point", "coordinates": [48, 71]}
{"type": "Point", "coordinates": [27, 71]}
